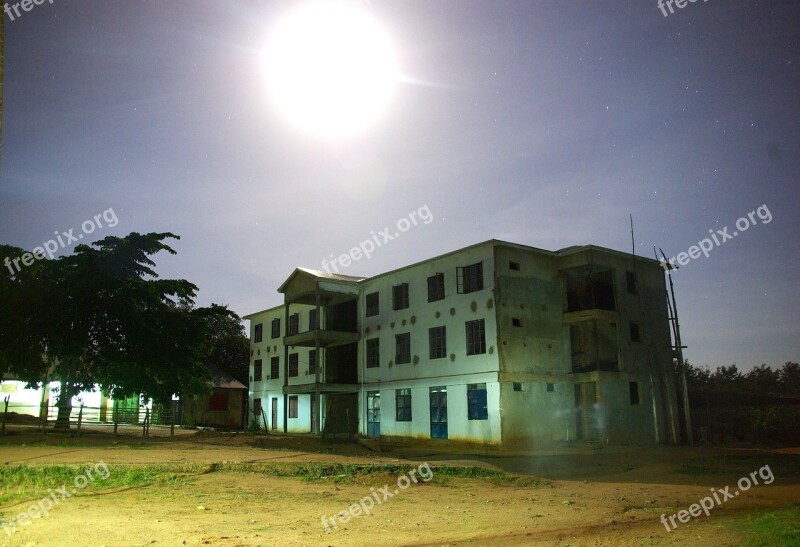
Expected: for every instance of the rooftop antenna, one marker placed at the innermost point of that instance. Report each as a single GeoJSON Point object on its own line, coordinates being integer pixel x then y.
{"type": "Point", "coordinates": [677, 346]}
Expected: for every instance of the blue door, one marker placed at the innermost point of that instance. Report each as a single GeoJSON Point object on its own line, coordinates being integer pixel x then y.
{"type": "Point", "coordinates": [373, 413]}
{"type": "Point", "coordinates": [438, 397]}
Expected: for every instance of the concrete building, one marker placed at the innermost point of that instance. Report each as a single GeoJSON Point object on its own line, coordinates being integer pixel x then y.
{"type": "Point", "coordinates": [496, 343]}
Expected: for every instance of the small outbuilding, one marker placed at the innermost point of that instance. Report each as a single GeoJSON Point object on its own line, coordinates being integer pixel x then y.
{"type": "Point", "coordinates": [225, 407]}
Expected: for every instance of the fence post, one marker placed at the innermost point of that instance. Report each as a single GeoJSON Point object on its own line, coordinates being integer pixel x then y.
{"type": "Point", "coordinates": [5, 412]}
{"type": "Point", "coordinates": [264, 417]}
{"type": "Point", "coordinates": [80, 418]}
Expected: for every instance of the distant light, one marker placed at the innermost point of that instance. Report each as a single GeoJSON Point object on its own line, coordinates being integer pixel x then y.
{"type": "Point", "coordinates": [331, 69]}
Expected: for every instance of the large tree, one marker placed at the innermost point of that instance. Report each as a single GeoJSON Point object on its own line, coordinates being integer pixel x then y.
{"type": "Point", "coordinates": [102, 316]}
{"type": "Point", "coordinates": [231, 347]}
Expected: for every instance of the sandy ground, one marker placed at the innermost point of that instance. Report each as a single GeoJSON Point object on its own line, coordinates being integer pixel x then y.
{"type": "Point", "coordinates": [584, 495]}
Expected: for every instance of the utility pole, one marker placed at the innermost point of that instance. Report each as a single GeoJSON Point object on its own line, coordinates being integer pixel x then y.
{"type": "Point", "coordinates": [672, 305]}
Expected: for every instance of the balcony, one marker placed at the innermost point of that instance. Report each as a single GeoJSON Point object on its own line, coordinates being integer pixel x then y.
{"type": "Point", "coordinates": [314, 387]}
{"type": "Point", "coordinates": [323, 338]}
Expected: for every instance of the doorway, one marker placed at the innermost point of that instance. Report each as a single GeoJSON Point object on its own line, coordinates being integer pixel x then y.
{"type": "Point", "coordinates": [586, 412]}
{"type": "Point", "coordinates": [373, 413]}
{"type": "Point", "coordinates": [438, 396]}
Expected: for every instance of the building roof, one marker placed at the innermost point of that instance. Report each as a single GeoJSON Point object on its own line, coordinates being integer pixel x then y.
{"type": "Point", "coordinates": [329, 275]}
{"type": "Point", "coordinates": [251, 315]}
{"type": "Point", "coordinates": [222, 379]}
{"type": "Point", "coordinates": [320, 275]}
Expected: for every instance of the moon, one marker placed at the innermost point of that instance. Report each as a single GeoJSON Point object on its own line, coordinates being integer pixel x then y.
{"type": "Point", "coordinates": [331, 69]}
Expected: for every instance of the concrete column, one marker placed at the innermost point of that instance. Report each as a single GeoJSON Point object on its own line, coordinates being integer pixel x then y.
{"type": "Point", "coordinates": [286, 367]}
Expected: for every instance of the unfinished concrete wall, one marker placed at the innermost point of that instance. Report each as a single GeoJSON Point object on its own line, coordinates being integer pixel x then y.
{"type": "Point", "coordinates": [528, 312]}
{"type": "Point", "coordinates": [572, 364]}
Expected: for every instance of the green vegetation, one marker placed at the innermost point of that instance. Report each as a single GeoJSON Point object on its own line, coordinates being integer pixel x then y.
{"type": "Point", "coordinates": [102, 316]}
{"type": "Point", "coordinates": [28, 483]}
{"type": "Point", "coordinates": [759, 406]}
{"type": "Point", "coordinates": [780, 527]}
{"type": "Point", "coordinates": [734, 466]}
{"type": "Point", "coordinates": [24, 483]}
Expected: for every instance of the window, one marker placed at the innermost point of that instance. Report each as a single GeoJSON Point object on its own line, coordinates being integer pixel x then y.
{"type": "Point", "coordinates": [551, 387]}
{"type": "Point", "coordinates": [274, 368]}
{"type": "Point", "coordinates": [402, 352]}
{"type": "Point", "coordinates": [403, 405]}
{"type": "Point", "coordinates": [630, 279]}
{"type": "Point", "coordinates": [257, 409]}
{"type": "Point", "coordinates": [294, 324]}
{"type": "Point", "coordinates": [476, 337]}
{"type": "Point", "coordinates": [636, 335]}
{"type": "Point", "coordinates": [293, 406]}
{"type": "Point", "coordinates": [258, 335]}
{"type": "Point", "coordinates": [437, 340]}
{"type": "Point", "coordinates": [276, 328]}
{"type": "Point", "coordinates": [470, 278]}
{"type": "Point", "coordinates": [516, 322]}
{"type": "Point", "coordinates": [257, 370]}
{"type": "Point", "coordinates": [476, 402]}
{"type": "Point", "coordinates": [436, 287]}
{"type": "Point", "coordinates": [513, 265]}
{"type": "Point", "coordinates": [373, 352]}
{"type": "Point", "coordinates": [312, 319]}
{"type": "Point", "coordinates": [312, 361]}
{"type": "Point", "coordinates": [519, 386]}
{"type": "Point", "coordinates": [634, 389]}
{"type": "Point", "coordinates": [400, 296]}
{"type": "Point", "coordinates": [218, 401]}
{"type": "Point", "coordinates": [293, 364]}
{"type": "Point", "coordinates": [587, 289]}
{"type": "Point", "coordinates": [373, 304]}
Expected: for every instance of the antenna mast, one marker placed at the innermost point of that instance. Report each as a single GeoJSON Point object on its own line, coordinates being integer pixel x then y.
{"type": "Point", "coordinates": [677, 346]}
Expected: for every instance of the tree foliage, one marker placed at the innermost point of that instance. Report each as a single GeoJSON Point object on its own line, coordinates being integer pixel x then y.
{"type": "Point", "coordinates": [231, 347]}
{"type": "Point", "coordinates": [761, 405]}
{"type": "Point", "coordinates": [102, 316]}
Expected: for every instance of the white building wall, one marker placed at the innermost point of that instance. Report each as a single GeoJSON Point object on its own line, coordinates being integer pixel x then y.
{"type": "Point", "coordinates": [265, 350]}
{"type": "Point", "coordinates": [454, 371]}
{"type": "Point", "coordinates": [270, 387]}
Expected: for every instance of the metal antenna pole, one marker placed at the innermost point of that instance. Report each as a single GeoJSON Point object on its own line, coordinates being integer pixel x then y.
{"type": "Point", "coordinates": [676, 329]}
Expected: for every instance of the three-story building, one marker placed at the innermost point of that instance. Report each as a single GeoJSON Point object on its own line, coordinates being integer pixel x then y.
{"type": "Point", "coordinates": [496, 343]}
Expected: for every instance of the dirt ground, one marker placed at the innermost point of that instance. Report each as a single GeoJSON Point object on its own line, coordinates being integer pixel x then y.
{"type": "Point", "coordinates": [583, 495]}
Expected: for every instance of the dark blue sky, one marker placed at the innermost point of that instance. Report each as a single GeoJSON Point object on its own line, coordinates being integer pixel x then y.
{"type": "Point", "coordinates": [541, 123]}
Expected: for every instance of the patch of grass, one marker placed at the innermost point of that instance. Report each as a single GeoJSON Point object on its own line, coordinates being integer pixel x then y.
{"type": "Point", "coordinates": [780, 527]}
{"type": "Point", "coordinates": [779, 464]}
{"type": "Point", "coordinates": [23, 482]}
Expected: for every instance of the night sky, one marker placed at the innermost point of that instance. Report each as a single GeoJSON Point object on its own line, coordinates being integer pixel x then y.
{"type": "Point", "coordinates": [541, 123]}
